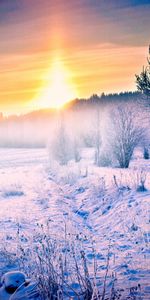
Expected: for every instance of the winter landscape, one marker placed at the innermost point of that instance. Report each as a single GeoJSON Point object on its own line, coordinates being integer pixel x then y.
{"type": "Point", "coordinates": [74, 161]}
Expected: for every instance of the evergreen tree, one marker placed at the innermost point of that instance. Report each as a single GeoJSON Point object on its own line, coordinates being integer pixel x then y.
{"type": "Point", "coordinates": [143, 80]}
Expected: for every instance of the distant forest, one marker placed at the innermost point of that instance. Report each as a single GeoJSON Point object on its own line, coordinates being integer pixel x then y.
{"type": "Point", "coordinates": [106, 99]}
{"type": "Point", "coordinates": [81, 103]}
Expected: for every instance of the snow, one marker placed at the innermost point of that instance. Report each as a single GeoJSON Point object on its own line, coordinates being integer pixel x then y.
{"type": "Point", "coordinates": [87, 200]}
{"type": "Point", "coordinates": [14, 285]}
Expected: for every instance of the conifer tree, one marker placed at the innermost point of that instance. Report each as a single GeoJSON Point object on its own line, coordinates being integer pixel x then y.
{"type": "Point", "coordinates": [143, 80]}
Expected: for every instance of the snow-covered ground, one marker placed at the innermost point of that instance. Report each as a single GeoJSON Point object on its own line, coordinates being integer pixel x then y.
{"type": "Point", "coordinates": [101, 204]}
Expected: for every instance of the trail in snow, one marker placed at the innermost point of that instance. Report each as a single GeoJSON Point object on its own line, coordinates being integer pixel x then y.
{"type": "Point", "coordinates": [30, 193]}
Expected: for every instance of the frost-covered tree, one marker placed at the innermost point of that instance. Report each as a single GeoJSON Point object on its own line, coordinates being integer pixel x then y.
{"type": "Point", "coordinates": [61, 146]}
{"type": "Point", "coordinates": [97, 138]}
{"type": "Point", "coordinates": [126, 135]}
{"type": "Point", "coordinates": [76, 150]}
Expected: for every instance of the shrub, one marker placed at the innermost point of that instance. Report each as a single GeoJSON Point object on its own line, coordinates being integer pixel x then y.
{"type": "Point", "coordinates": [146, 153]}
{"type": "Point", "coordinates": [141, 179]}
{"type": "Point", "coordinates": [105, 160]}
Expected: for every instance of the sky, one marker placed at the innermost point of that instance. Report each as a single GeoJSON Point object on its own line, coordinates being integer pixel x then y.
{"type": "Point", "coordinates": [90, 46]}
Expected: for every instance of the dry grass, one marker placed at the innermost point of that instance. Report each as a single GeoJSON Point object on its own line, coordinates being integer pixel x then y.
{"type": "Point", "coordinates": [61, 270]}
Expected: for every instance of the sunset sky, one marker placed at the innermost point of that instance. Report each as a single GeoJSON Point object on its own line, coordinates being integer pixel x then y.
{"type": "Point", "coordinates": [88, 46]}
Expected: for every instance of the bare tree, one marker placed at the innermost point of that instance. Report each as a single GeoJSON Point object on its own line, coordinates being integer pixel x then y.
{"type": "Point", "coordinates": [61, 146]}
{"type": "Point", "coordinates": [76, 150]}
{"type": "Point", "coordinates": [126, 135]}
{"type": "Point", "coordinates": [97, 138]}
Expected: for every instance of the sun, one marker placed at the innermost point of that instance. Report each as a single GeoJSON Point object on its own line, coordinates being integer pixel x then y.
{"type": "Point", "coordinates": [58, 88]}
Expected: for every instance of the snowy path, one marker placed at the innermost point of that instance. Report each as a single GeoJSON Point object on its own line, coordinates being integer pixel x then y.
{"type": "Point", "coordinates": [30, 194]}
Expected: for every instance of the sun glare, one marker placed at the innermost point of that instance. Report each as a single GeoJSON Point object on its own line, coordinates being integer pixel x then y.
{"type": "Point", "coordinates": [57, 89]}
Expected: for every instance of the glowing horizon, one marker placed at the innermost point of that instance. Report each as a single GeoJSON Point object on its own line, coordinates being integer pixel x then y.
{"type": "Point", "coordinates": [100, 47]}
